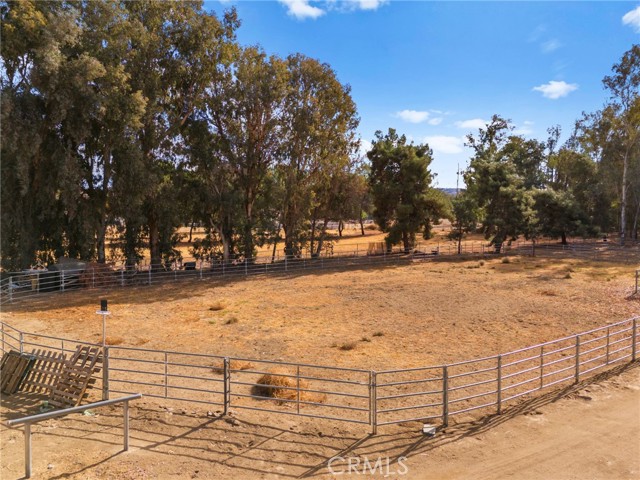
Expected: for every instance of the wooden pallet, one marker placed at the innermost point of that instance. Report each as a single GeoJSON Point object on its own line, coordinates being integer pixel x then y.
{"type": "Point", "coordinates": [45, 371]}
{"type": "Point", "coordinates": [76, 377]}
{"type": "Point", "coordinates": [13, 369]}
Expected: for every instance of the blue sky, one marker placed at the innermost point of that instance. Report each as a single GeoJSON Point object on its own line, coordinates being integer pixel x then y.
{"type": "Point", "coordinates": [436, 71]}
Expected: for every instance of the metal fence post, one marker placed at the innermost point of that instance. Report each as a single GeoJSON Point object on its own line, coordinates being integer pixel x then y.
{"type": "Point", "coordinates": [27, 450]}
{"type": "Point", "coordinates": [11, 289]}
{"type": "Point", "coordinates": [105, 373]}
{"type": "Point", "coordinates": [166, 374]}
{"type": "Point", "coordinates": [634, 347]}
{"type": "Point", "coordinates": [577, 358]}
{"type": "Point", "coordinates": [150, 268]}
{"type": "Point", "coordinates": [541, 366]}
{"type": "Point", "coordinates": [93, 278]}
{"type": "Point", "coordinates": [201, 262]}
{"type": "Point", "coordinates": [21, 342]}
{"type": "Point", "coordinates": [499, 384]}
{"type": "Point", "coordinates": [125, 419]}
{"type": "Point", "coordinates": [122, 277]}
{"type": "Point", "coordinates": [445, 396]}
{"type": "Point", "coordinates": [62, 280]}
{"type": "Point", "coordinates": [608, 342]}
{"type": "Point", "coordinates": [227, 385]}
{"type": "Point", "coordinates": [298, 388]}
{"type": "Point", "coordinates": [373, 402]}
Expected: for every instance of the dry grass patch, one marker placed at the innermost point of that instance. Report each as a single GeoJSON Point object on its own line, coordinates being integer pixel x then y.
{"type": "Point", "coordinates": [216, 307]}
{"type": "Point", "coordinates": [348, 346]}
{"type": "Point", "coordinates": [282, 385]}
{"type": "Point", "coordinates": [114, 340]}
{"type": "Point", "coordinates": [236, 365]}
{"type": "Point", "coordinates": [549, 293]}
{"type": "Point", "coordinates": [231, 320]}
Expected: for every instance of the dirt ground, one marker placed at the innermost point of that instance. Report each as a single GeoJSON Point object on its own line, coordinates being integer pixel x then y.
{"type": "Point", "coordinates": [396, 317]}
{"type": "Point", "coordinates": [588, 431]}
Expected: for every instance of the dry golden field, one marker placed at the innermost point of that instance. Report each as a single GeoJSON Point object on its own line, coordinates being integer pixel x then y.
{"type": "Point", "coordinates": [372, 317]}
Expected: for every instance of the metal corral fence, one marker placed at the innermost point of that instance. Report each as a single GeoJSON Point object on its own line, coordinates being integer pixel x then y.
{"type": "Point", "coordinates": [27, 284]}
{"type": "Point", "coordinates": [375, 398]}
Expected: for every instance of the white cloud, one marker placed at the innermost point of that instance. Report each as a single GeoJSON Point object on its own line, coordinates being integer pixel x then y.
{"type": "Point", "coordinates": [370, 4]}
{"type": "Point", "coordinates": [473, 124]}
{"type": "Point", "coordinates": [632, 19]}
{"type": "Point", "coordinates": [435, 121]}
{"type": "Point", "coordinates": [550, 45]}
{"type": "Point", "coordinates": [412, 116]}
{"type": "Point", "coordinates": [555, 89]}
{"type": "Point", "coordinates": [301, 9]}
{"type": "Point", "coordinates": [523, 131]}
{"type": "Point", "coordinates": [365, 146]}
{"type": "Point", "coordinates": [445, 144]}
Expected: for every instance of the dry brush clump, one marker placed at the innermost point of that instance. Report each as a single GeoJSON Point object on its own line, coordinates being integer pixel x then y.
{"type": "Point", "coordinates": [236, 365]}
{"type": "Point", "coordinates": [282, 385]}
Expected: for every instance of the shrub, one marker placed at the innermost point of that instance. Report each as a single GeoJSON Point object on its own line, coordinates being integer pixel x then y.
{"type": "Point", "coordinates": [378, 334]}
{"type": "Point", "coordinates": [231, 320]}
{"type": "Point", "coordinates": [506, 260]}
{"type": "Point", "coordinates": [216, 307]}
{"type": "Point", "coordinates": [348, 346]}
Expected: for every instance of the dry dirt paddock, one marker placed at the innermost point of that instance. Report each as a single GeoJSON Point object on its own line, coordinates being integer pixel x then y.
{"type": "Point", "coordinates": [372, 318]}
{"type": "Point", "coordinates": [395, 316]}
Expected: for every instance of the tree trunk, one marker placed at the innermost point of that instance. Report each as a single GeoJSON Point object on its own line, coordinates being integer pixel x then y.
{"type": "Point", "coordinates": [313, 231]}
{"type": "Point", "coordinates": [154, 242]}
{"type": "Point", "coordinates": [340, 228]}
{"type": "Point", "coordinates": [635, 222]}
{"type": "Point", "coordinates": [361, 225]}
{"type": "Point", "coordinates": [248, 233]}
{"type": "Point", "coordinates": [405, 242]}
{"type": "Point", "coordinates": [191, 232]}
{"type": "Point", "coordinates": [321, 237]}
{"type": "Point", "coordinates": [623, 200]}
{"type": "Point", "coordinates": [101, 240]}
{"type": "Point", "coordinates": [564, 238]}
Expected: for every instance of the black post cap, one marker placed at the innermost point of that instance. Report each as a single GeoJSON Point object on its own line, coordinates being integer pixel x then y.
{"type": "Point", "coordinates": [103, 305]}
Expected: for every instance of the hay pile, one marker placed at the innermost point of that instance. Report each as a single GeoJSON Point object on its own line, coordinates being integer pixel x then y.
{"type": "Point", "coordinates": [281, 385]}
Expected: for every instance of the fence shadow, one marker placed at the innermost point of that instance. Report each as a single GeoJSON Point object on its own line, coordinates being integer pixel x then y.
{"type": "Point", "coordinates": [255, 449]}
{"type": "Point", "coordinates": [396, 445]}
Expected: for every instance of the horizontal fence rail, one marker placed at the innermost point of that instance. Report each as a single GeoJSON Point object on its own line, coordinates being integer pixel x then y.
{"type": "Point", "coordinates": [30, 420]}
{"type": "Point", "coordinates": [431, 394]}
{"type": "Point", "coordinates": [28, 284]}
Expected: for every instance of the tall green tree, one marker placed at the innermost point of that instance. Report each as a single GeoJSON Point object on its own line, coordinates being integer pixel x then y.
{"type": "Point", "coordinates": [497, 178]}
{"type": "Point", "coordinates": [400, 182]}
{"type": "Point", "coordinates": [319, 135]}
{"type": "Point", "coordinates": [177, 51]}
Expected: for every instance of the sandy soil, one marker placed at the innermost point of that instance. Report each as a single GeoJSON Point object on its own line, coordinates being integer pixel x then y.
{"type": "Point", "coordinates": [586, 431]}
{"type": "Point", "coordinates": [395, 316]}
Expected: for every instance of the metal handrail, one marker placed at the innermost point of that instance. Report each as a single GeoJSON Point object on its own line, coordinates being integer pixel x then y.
{"type": "Point", "coordinates": [30, 420]}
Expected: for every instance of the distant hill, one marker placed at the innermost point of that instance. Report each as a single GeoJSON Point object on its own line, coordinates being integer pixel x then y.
{"type": "Point", "coordinates": [450, 191]}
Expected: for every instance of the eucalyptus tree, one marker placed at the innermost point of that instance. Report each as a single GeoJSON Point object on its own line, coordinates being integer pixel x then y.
{"type": "Point", "coordinates": [244, 110]}
{"type": "Point", "coordinates": [318, 136]}
{"type": "Point", "coordinates": [177, 50]}
{"type": "Point", "coordinates": [47, 83]}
